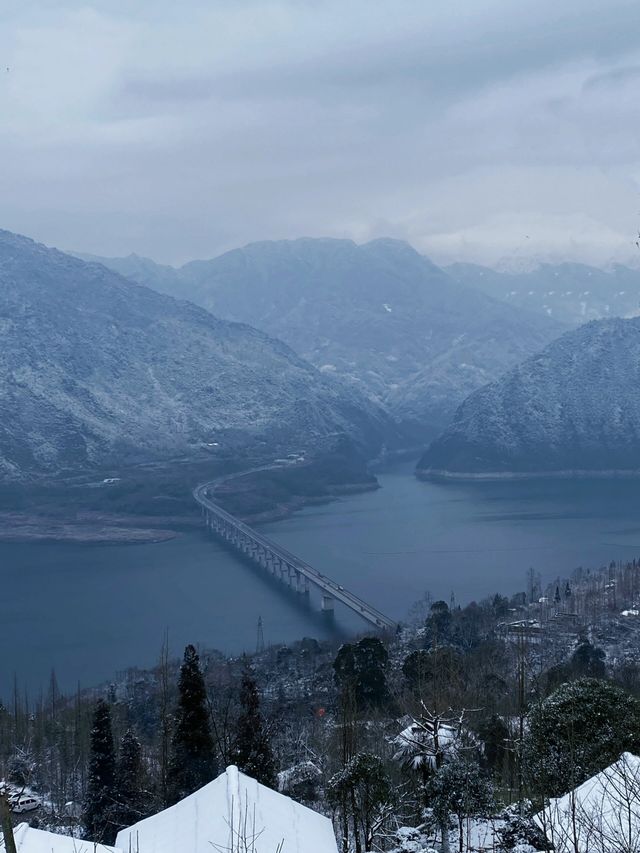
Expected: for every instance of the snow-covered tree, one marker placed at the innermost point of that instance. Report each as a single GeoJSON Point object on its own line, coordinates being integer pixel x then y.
{"type": "Point", "coordinates": [459, 788]}
{"type": "Point", "coordinates": [426, 743]}
{"type": "Point", "coordinates": [98, 816]}
{"type": "Point", "coordinates": [300, 781]}
{"type": "Point", "coordinates": [131, 794]}
{"type": "Point", "coordinates": [362, 668]}
{"type": "Point", "coordinates": [580, 729]}
{"type": "Point", "coordinates": [429, 738]}
{"type": "Point", "coordinates": [192, 762]}
{"type": "Point", "coordinates": [252, 749]}
{"type": "Point", "coordinates": [364, 789]}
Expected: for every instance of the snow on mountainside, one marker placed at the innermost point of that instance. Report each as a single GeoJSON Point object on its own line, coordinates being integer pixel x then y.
{"type": "Point", "coordinates": [95, 368]}
{"type": "Point", "coordinates": [378, 315]}
{"type": "Point", "coordinates": [574, 407]}
{"type": "Point", "coordinates": [572, 293]}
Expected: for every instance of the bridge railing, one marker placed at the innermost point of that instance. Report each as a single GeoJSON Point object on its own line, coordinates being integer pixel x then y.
{"type": "Point", "coordinates": [358, 605]}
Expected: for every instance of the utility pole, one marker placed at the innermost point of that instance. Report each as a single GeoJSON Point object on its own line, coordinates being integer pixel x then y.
{"type": "Point", "coordinates": [260, 637]}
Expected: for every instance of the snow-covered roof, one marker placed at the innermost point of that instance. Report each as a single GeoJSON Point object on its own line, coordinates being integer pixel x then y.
{"type": "Point", "coordinates": [29, 840]}
{"type": "Point", "coordinates": [602, 814]}
{"type": "Point", "coordinates": [227, 812]}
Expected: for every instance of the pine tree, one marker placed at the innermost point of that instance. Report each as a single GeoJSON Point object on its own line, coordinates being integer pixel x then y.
{"type": "Point", "coordinates": [252, 750]}
{"type": "Point", "coordinates": [99, 803]}
{"type": "Point", "coordinates": [362, 668]}
{"type": "Point", "coordinates": [192, 761]}
{"type": "Point", "coordinates": [130, 783]}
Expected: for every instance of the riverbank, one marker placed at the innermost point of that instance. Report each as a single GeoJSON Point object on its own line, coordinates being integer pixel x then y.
{"type": "Point", "coordinates": [148, 504]}
{"type": "Point", "coordinates": [442, 475]}
{"type": "Point", "coordinates": [275, 493]}
{"type": "Point", "coordinates": [142, 504]}
{"type": "Point", "coordinates": [96, 528]}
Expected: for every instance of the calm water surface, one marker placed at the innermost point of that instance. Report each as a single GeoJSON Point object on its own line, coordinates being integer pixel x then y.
{"type": "Point", "coordinates": [91, 610]}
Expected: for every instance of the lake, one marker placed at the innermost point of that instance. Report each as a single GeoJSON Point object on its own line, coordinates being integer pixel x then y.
{"type": "Point", "coordinates": [91, 610]}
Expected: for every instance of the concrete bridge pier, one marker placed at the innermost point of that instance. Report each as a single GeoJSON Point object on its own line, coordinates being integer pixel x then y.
{"type": "Point", "coordinates": [301, 583]}
{"type": "Point", "coordinates": [328, 603]}
{"type": "Point", "coordinates": [291, 574]}
{"type": "Point", "coordinates": [280, 563]}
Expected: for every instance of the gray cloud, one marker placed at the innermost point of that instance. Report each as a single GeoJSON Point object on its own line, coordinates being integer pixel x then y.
{"type": "Point", "coordinates": [179, 132]}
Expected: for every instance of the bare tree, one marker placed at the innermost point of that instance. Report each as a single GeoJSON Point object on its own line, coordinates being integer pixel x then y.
{"type": "Point", "coordinates": [243, 832]}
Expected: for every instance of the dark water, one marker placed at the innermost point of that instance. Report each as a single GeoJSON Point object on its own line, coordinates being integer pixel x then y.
{"type": "Point", "coordinates": [89, 611]}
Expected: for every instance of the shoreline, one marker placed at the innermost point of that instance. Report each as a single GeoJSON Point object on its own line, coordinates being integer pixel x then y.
{"type": "Point", "coordinates": [297, 503]}
{"type": "Point", "coordinates": [250, 489]}
{"type": "Point", "coordinates": [107, 529]}
{"type": "Point", "coordinates": [436, 474]}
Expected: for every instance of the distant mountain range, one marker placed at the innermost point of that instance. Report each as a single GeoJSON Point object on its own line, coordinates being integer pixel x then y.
{"type": "Point", "coordinates": [95, 368]}
{"type": "Point", "coordinates": [379, 316]}
{"type": "Point", "coordinates": [571, 293]}
{"type": "Point", "coordinates": [574, 407]}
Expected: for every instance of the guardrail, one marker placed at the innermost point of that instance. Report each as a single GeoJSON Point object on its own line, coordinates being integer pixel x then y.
{"type": "Point", "coordinates": [328, 586]}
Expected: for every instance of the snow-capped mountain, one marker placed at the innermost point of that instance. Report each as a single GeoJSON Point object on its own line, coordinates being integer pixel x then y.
{"type": "Point", "coordinates": [95, 368]}
{"type": "Point", "coordinates": [378, 315]}
{"type": "Point", "coordinates": [572, 293]}
{"type": "Point", "coordinates": [574, 407]}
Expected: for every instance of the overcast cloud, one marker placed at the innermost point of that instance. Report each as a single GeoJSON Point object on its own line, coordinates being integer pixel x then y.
{"type": "Point", "coordinates": [475, 129]}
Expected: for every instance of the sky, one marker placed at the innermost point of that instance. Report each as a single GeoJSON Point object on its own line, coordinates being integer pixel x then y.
{"type": "Point", "coordinates": [493, 131]}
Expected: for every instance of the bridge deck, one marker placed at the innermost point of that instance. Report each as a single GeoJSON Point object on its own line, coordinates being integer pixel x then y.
{"type": "Point", "coordinates": [330, 587]}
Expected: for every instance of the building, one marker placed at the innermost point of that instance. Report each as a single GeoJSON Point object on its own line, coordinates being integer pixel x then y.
{"type": "Point", "coordinates": [601, 815]}
{"type": "Point", "coordinates": [231, 813]}
{"type": "Point", "coordinates": [29, 840]}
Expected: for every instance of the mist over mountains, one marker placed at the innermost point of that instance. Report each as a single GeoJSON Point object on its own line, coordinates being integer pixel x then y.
{"type": "Point", "coordinates": [571, 293]}
{"type": "Point", "coordinates": [379, 316]}
{"type": "Point", "coordinates": [95, 368]}
{"type": "Point", "coordinates": [572, 408]}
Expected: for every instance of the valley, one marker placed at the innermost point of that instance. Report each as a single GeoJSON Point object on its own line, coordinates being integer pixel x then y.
{"type": "Point", "coordinates": [319, 427]}
{"type": "Point", "coordinates": [88, 610]}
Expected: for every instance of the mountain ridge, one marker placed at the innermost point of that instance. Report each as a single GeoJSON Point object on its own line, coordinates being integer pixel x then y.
{"type": "Point", "coordinates": [565, 411]}
{"type": "Point", "coordinates": [96, 367]}
{"type": "Point", "coordinates": [378, 315]}
{"type": "Point", "coordinates": [573, 293]}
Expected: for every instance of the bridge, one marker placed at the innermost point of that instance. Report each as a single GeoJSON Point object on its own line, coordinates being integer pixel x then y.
{"type": "Point", "coordinates": [282, 564]}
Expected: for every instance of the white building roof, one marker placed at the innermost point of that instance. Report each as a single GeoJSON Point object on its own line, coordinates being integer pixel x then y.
{"type": "Point", "coordinates": [602, 814]}
{"type": "Point", "coordinates": [228, 811]}
{"type": "Point", "coordinates": [29, 840]}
